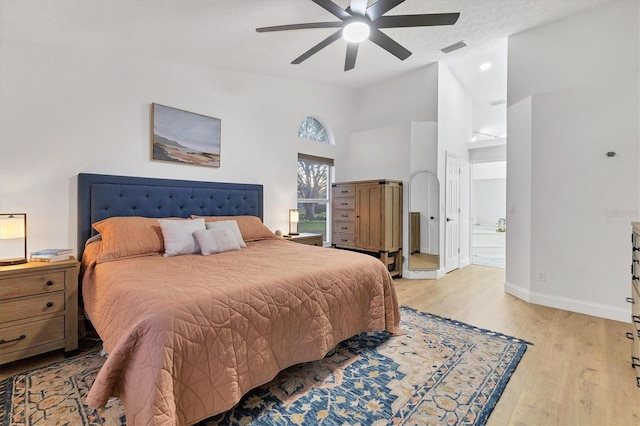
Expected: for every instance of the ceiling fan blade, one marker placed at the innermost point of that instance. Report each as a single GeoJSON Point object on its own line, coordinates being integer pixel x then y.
{"type": "Point", "coordinates": [300, 26]}
{"type": "Point", "coordinates": [388, 44]}
{"type": "Point", "coordinates": [381, 7]}
{"type": "Point", "coordinates": [416, 20]}
{"type": "Point", "coordinates": [333, 8]}
{"type": "Point", "coordinates": [352, 52]}
{"type": "Point", "coordinates": [315, 49]}
{"type": "Point", "coordinates": [358, 7]}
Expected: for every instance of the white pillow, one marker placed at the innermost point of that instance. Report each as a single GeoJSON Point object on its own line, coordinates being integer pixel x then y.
{"type": "Point", "coordinates": [178, 236]}
{"type": "Point", "coordinates": [231, 225]}
{"type": "Point", "coordinates": [216, 241]}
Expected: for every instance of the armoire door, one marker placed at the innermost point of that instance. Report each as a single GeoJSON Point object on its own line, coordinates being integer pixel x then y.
{"type": "Point", "coordinates": [369, 204]}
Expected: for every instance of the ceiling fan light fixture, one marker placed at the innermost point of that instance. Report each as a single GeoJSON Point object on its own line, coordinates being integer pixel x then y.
{"type": "Point", "coordinates": [355, 32]}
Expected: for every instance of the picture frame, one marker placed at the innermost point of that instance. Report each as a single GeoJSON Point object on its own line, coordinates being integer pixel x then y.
{"type": "Point", "coordinates": [185, 137]}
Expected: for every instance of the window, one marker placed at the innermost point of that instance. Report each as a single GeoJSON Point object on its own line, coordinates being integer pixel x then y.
{"type": "Point", "coordinates": [314, 181]}
{"type": "Point", "coordinates": [312, 129]}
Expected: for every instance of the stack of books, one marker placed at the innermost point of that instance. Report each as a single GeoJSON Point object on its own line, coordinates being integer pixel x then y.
{"type": "Point", "coordinates": [51, 255]}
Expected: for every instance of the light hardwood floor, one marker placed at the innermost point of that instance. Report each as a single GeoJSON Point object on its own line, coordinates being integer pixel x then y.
{"type": "Point", "coordinates": [577, 372]}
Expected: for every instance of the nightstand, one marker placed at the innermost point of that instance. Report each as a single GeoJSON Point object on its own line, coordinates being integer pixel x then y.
{"type": "Point", "coordinates": [306, 238]}
{"type": "Point", "coordinates": [38, 308]}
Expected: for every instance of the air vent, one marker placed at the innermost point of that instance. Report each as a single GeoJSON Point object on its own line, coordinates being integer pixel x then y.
{"type": "Point", "coordinates": [497, 102]}
{"type": "Point", "coordinates": [455, 46]}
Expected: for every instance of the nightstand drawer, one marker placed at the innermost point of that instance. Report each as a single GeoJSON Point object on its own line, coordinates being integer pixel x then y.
{"type": "Point", "coordinates": [35, 333]}
{"type": "Point", "coordinates": [31, 284]}
{"type": "Point", "coordinates": [347, 240]}
{"type": "Point", "coordinates": [344, 191]}
{"type": "Point", "coordinates": [31, 307]}
{"type": "Point", "coordinates": [307, 238]}
{"type": "Point", "coordinates": [345, 227]}
{"type": "Point", "coordinates": [344, 203]}
{"type": "Point", "coordinates": [345, 215]}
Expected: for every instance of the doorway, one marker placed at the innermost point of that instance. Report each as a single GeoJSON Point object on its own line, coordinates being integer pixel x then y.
{"type": "Point", "coordinates": [488, 217]}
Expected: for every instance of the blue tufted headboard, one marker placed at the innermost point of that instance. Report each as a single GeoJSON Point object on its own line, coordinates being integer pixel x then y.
{"type": "Point", "coordinates": [103, 196]}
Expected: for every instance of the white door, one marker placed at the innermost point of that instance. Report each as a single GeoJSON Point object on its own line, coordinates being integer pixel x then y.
{"type": "Point", "coordinates": [452, 214]}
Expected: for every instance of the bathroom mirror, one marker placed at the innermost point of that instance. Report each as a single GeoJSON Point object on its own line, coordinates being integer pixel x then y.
{"type": "Point", "coordinates": [424, 222]}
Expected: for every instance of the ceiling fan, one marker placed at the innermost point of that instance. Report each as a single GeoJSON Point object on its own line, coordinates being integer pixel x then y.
{"type": "Point", "coordinates": [359, 22]}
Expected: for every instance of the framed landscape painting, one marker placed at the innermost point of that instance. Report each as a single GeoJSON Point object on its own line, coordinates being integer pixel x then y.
{"type": "Point", "coordinates": [185, 137]}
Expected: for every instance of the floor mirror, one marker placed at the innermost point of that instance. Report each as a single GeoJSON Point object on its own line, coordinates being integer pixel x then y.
{"type": "Point", "coordinates": [424, 221]}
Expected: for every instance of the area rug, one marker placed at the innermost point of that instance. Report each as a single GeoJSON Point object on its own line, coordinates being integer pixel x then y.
{"type": "Point", "coordinates": [440, 372]}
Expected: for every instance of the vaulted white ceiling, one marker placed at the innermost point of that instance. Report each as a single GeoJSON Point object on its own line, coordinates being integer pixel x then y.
{"type": "Point", "coordinates": [221, 33]}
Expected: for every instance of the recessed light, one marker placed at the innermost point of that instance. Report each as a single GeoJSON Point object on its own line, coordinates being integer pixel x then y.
{"type": "Point", "coordinates": [485, 66]}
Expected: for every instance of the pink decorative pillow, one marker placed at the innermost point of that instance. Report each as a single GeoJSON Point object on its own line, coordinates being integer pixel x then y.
{"type": "Point", "coordinates": [251, 227]}
{"type": "Point", "coordinates": [178, 236]}
{"type": "Point", "coordinates": [131, 236]}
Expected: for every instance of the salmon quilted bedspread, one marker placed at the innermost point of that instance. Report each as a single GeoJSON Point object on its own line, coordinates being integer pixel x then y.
{"type": "Point", "coordinates": [188, 336]}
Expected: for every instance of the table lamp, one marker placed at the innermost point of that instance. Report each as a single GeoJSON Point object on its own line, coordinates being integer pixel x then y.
{"type": "Point", "coordinates": [294, 218]}
{"type": "Point", "coordinates": [13, 238]}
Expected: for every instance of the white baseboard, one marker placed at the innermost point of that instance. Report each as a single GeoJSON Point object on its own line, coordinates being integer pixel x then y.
{"type": "Point", "coordinates": [567, 304]}
{"type": "Point", "coordinates": [423, 275]}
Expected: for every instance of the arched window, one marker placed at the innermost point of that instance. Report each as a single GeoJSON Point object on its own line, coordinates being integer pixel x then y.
{"type": "Point", "coordinates": [314, 181]}
{"type": "Point", "coordinates": [314, 130]}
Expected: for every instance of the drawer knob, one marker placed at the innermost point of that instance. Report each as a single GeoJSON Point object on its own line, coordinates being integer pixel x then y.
{"type": "Point", "coordinates": [635, 361]}
{"type": "Point", "coordinates": [343, 227]}
{"type": "Point", "coordinates": [636, 319]}
{"type": "Point", "coordinates": [22, 337]}
{"type": "Point", "coordinates": [49, 304]}
{"type": "Point", "coordinates": [50, 282]}
{"type": "Point", "coordinates": [629, 335]}
{"type": "Point", "coordinates": [630, 300]}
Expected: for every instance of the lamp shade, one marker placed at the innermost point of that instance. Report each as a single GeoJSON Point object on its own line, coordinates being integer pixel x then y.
{"type": "Point", "coordinates": [11, 227]}
{"type": "Point", "coordinates": [294, 218]}
{"type": "Point", "coordinates": [13, 238]}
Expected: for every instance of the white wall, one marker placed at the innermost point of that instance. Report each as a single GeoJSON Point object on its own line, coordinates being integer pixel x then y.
{"type": "Point", "coordinates": [409, 97]}
{"type": "Point", "coordinates": [489, 197]}
{"type": "Point", "coordinates": [65, 111]}
{"type": "Point", "coordinates": [575, 82]}
{"type": "Point", "coordinates": [381, 153]}
{"type": "Point", "coordinates": [518, 260]}
{"type": "Point", "coordinates": [455, 119]}
{"type": "Point", "coordinates": [489, 153]}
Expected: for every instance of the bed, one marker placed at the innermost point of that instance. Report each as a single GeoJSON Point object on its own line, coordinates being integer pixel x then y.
{"type": "Point", "coordinates": [189, 335]}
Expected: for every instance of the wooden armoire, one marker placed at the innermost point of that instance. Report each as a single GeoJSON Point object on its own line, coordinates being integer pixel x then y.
{"type": "Point", "coordinates": [367, 217]}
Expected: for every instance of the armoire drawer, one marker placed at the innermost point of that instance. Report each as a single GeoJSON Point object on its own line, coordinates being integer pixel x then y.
{"type": "Point", "coordinates": [345, 227]}
{"type": "Point", "coordinates": [344, 215]}
{"type": "Point", "coordinates": [344, 203]}
{"type": "Point", "coordinates": [344, 191]}
{"type": "Point", "coordinates": [346, 240]}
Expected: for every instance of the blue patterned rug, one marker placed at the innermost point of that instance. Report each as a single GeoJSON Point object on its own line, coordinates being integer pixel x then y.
{"type": "Point", "coordinates": [440, 372]}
